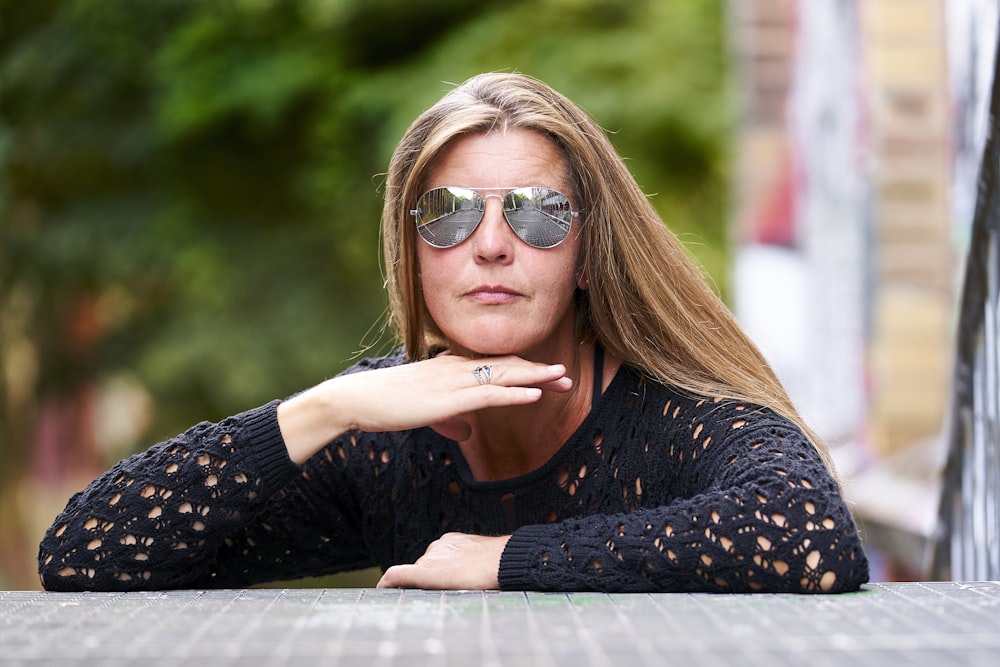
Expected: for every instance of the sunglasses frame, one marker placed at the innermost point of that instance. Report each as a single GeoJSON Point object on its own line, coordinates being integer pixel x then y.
{"type": "Point", "coordinates": [508, 190]}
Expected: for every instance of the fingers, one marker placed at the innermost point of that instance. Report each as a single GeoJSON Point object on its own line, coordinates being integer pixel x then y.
{"type": "Point", "coordinates": [396, 577]}
{"type": "Point", "coordinates": [560, 385]}
{"type": "Point", "coordinates": [491, 383]}
{"type": "Point", "coordinates": [516, 372]}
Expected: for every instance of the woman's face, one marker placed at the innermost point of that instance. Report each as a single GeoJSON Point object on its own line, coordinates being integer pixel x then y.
{"type": "Point", "coordinates": [493, 293]}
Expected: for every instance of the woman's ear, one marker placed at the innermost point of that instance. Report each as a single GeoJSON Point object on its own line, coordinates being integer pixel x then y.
{"type": "Point", "coordinates": [581, 280]}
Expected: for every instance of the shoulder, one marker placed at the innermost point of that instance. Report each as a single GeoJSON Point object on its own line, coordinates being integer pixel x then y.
{"type": "Point", "coordinates": [720, 418]}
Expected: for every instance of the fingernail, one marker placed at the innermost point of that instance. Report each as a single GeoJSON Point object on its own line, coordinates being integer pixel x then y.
{"type": "Point", "coordinates": [557, 368]}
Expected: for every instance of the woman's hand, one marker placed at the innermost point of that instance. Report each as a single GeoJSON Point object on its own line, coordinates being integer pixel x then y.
{"type": "Point", "coordinates": [436, 392]}
{"type": "Point", "coordinates": [454, 561]}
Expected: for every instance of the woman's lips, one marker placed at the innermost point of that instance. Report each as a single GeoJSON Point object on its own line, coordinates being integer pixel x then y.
{"type": "Point", "coordinates": [493, 294]}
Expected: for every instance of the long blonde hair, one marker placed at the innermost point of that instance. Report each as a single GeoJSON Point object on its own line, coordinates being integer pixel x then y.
{"type": "Point", "coordinates": [647, 302]}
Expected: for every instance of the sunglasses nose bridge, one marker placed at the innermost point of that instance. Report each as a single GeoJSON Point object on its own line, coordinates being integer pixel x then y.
{"type": "Point", "coordinates": [493, 220]}
{"type": "Point", "coordinates": [486, 206]}
{"type": "Point", "coordinates": [487, 198]}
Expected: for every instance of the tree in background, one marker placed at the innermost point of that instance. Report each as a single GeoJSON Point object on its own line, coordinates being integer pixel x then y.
{"type": "Point", "coordinates": [190, 194]}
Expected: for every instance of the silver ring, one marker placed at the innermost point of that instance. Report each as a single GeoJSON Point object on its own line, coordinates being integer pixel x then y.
{"type": "Point", "coordinates": [483, 374]}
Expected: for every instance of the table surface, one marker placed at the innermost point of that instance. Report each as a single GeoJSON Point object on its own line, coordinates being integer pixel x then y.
{"type": "Point", "coordinates": [939, 623]}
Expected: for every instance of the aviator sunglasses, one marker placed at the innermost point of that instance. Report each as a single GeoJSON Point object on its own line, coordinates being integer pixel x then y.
{"type": "Point", "coordinates": [541, 217]}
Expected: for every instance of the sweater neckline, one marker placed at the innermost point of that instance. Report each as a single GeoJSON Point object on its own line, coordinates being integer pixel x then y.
{"type": "Point", "coordinates": [617, 385]}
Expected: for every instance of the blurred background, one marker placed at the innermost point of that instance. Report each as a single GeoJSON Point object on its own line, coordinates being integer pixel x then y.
{"type": "Point", "coordinates": [190, 197]}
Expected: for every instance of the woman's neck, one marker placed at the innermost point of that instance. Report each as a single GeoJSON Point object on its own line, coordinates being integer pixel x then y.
{"type": "Point", "coordinates": [512, 441]}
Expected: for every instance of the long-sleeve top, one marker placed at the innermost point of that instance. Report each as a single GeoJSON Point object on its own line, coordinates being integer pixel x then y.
{"type": "Point", "coordinates": [655, 491]}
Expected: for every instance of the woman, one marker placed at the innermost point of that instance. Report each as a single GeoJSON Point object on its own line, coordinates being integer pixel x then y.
{"type": "Point", "coordinates": [571, 408]}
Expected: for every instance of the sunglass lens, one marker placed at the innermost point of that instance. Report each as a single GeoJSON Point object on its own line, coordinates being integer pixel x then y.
{"type": "Point", "coordinates": [540, 216]}
{"type": "Point", "coordinates": [447, 216]}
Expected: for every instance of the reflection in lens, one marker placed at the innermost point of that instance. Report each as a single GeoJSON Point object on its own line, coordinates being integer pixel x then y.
{"type": "Point", "coordinates": [447, 216]}
{"type": "Point", "coordinates": [540, 216]}
{"type": "Point", "coordinates": [450, 229]}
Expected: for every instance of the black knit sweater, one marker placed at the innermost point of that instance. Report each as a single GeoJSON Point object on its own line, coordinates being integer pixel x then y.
{"type": "Point", "coordinates": [656, 491]}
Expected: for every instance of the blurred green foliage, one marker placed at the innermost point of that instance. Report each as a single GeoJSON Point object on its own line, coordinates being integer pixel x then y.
{"type": "Point", "coordinates": [190, 189]}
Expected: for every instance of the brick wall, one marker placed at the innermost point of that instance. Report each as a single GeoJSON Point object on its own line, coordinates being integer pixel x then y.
{"type": "Point", "coordinates": [914, 264]}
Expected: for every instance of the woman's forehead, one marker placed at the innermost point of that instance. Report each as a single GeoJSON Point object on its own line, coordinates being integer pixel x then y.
{"type": "Point", "coordinates": [496, 160]}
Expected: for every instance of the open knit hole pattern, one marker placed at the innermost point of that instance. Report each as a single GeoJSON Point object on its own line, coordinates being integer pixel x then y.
{"type": "Point", "coordinates": [132, 522]}
{"type": "Point", "coordinates": [772, 530]}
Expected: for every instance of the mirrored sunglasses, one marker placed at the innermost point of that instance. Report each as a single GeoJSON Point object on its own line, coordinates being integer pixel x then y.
{"type": "Point", "coordinates": [541, 217]}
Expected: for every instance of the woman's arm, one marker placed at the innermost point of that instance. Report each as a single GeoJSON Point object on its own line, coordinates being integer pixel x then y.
{"type": "Point", "coordinates": [156, 520]}
{"type": "Point", "coordinates": [763, 515]}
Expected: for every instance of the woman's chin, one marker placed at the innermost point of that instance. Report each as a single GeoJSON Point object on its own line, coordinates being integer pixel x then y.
{"type": "Point", "coordinates": [497, 347]}
{"type": "Point", "coordinates": [485, 346]}
{"type": "Point", "coordinates": [481, 350]}
{"type": "Point", "coordinates": [522, 337]}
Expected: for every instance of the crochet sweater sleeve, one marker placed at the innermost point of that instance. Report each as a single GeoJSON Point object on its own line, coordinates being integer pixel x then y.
{"type": "Point", "coordinates": [725, 498]}
{"type": "Point", "coordinates": [218, 505]}
{"type": "Point", "coordinates": [188, 513]}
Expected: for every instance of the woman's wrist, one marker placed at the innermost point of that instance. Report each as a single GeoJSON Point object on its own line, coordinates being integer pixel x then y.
{"type": "Point", "coordinates": [309, 421]}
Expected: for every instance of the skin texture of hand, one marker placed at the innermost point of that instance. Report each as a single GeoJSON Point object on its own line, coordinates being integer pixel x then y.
{"type": "Point", "coordinates": [436, 392]}
{"type": "Point", "coordinates": [455, 561]}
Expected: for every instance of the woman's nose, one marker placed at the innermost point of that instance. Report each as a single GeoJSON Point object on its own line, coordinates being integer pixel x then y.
{"type": "Point", "coordinates": [493, 239]}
